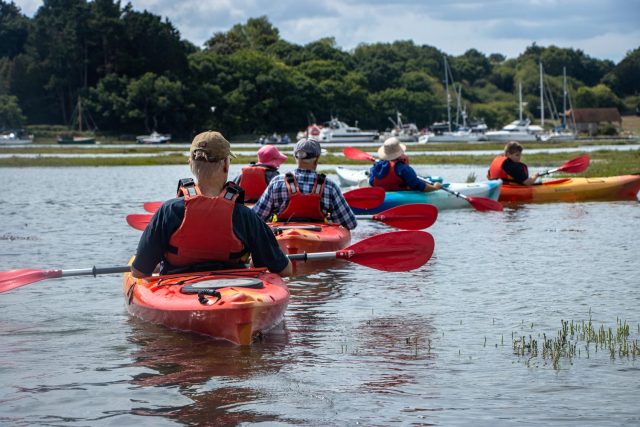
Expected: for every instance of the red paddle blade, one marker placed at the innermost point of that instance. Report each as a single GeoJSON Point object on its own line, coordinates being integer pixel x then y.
{"type": "Point", "coordinates": [365, 198]}
{"type": "Point", "coordinates": [484, 204]}
{"type": "Point", "coordinates": [139, 221]}
{"type": "Point", "coordinates": [15, 278]}
{"type": "Point", "coordinates": [577, 165]}
{"type": "Point", "coordinates": [393, 251]}
{"type": "Point", "coordinates": [409, 217]}
{"type": "Point", "coordinates": [152, 206]}
{"type": "Point", "coordinates": [355, 154]}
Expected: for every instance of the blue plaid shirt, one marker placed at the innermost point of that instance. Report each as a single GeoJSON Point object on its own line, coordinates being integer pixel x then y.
{"type": "Point", "coordinates": [276, 197]}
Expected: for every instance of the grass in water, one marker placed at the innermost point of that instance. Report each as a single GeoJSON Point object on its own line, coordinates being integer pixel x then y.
{"type": "Point", "coordinates": [577, 339]}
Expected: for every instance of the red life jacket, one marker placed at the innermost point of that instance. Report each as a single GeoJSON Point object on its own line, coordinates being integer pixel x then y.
{"type": "Point", "coordinates": [303, 206]}
{"type": "Point", "coordinates": [254, 181]}
{"type": "Point", "coordinates": [391, 181]}
{"type": "Point", "coordinates": [497, 172]}
{"type": "Point", "coordinates": [206, 233]}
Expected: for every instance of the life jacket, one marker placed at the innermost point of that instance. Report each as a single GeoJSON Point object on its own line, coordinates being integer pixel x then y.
{"type": "Point", "coordinates": [206, 233]}
{"type": "Point", "coordinates": [254, 181]}
{"type": "Point", "coordinates": [391, 181]}
{"type": "Point", "coordinates": [303, 207]}
{"type": "Point", "coordinates": [497, 172]}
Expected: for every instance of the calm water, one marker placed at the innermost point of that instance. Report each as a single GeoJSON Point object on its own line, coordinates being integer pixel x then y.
{"type": "Point", "coordinates": [432, 346]}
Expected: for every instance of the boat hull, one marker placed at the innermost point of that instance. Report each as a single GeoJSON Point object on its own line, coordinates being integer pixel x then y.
{"type": "Point", "coordinates": [300, 237]}
{"type": "Point", "coordinates": [623, 187]}
{"type": "Point", "coordinates": [237, 316]}
{"type": "Point", "coordinates": [440, 199]}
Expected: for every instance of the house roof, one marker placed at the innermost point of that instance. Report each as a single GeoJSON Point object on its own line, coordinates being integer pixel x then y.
{"type": "Point", "coordinates": [596, 115]}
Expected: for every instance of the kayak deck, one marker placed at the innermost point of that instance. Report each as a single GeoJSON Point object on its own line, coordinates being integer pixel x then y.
{"type": "Point", "coordinates": [250, 301]}
{"type": "Point", "coordinates": [623, 187]}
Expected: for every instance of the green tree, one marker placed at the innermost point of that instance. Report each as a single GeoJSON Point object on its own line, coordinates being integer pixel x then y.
{"type": "Point", "coordinates": [599, 96]}
{"type": "Point", "coordinates": [624, 79]}
{"type": "Point", "coordinates": [14, 30]}
{"type": "Point", "coordinates": [10, 113]}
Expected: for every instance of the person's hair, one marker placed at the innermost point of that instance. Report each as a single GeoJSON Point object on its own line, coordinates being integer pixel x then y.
{"type": "Point", "coordinates": [512, 147]}
{"type": "Point", "coordinates": [307, 160]}
{"type": "Point", "coordinates": [203, 169]}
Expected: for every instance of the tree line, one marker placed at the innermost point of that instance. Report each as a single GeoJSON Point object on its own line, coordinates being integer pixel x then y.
{"type": "Point", "coordinates": [134, 72]}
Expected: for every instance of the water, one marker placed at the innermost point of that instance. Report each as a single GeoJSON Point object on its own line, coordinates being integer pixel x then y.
{"type": "Point", "coordinates": [432, 346]}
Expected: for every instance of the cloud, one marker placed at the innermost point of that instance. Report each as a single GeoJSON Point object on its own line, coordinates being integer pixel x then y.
{"type": "Point", "coordinates": [605, 29]}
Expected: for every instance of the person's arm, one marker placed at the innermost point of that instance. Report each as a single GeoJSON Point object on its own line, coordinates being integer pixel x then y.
{"type": "Point", "coordinates": [519, 172]}
{"type": "Point", "coordinates": [341, 212]}
{"type": "Point", "coordinates": [410, 177]}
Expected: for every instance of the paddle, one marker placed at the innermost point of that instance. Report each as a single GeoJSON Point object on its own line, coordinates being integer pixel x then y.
{"type": "Point", "coordinates": [577, 165]}
{"type": "Point", "coordinates": [406, 217]}
{"type": "Point", "coordinates": [361, 198]}
{"type": "Point", "coordinates": [479, 203]}
{"type": "Point", "coordinates": [394, 251]}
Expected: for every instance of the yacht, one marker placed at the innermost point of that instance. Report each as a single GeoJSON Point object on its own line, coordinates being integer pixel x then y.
{"type": "Point", "coordinates": [15, 137]}
{"type": "Point", "coordinates": [405, 132]}
{"type": "Point", "coordinates": [518, 130]}
{"type": "Point", "coordinates": [154, 138]}
{"type": "Point", "coordinates": [337, 131]}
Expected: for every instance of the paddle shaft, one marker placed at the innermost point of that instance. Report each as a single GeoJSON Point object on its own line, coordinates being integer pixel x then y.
{"type": "Point", "coordinates": [94, 271]}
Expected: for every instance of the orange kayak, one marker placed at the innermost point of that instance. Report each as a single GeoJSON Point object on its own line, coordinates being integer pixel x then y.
{"type": "Point", "coordinates": [307, 237]}
{"type": "Point", "coordinates": [233, 305]}
{"type": "Point", "coordinates": [623, 187]}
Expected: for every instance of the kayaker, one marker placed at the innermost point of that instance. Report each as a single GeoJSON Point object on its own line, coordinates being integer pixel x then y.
{"type": "Point", "coordinates": [255, 177]}
{"type": "Point", "coordinates": [393, 173]}
{"type": "Point", "coordinates": [207, 229]}
{"type": "Point", "coordinates": [304, 194]}
{"type": "Point", "coordinates": [509, 167]}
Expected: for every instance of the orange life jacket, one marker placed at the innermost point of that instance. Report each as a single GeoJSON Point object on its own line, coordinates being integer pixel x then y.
{"type": "Point", "coordinates": [497, 172]}
{"type": "Point", "coordinates": [303, 206]}
{"type": "Point", "coordinates": [254, 181]}
{"type": "Point", "coordinates": [206, 233]}
{"type": "Point", "coordinates": [391, 181]}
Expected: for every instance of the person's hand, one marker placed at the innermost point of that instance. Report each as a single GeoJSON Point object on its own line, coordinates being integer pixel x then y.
{"type": "Point", "coordinates": [436, 185]}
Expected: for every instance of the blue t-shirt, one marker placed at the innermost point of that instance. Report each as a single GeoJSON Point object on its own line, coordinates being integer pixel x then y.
{"type": "Point", "coordinates": [381, 168]}
{"type": "Point", "coordinates": [256, 236]}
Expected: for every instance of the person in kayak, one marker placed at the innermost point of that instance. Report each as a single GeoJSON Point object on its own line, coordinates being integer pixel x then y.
{"type": "Point", "coordinates": [255, 177]}
{"type": "Point", "coordinates": [209, 228]}
{"type": "Point", "coordinates": [509, 167]}
{"type": "Point", "coordinates": [393, 173]}
{"type": "Point", "coordinates": [305, 195]}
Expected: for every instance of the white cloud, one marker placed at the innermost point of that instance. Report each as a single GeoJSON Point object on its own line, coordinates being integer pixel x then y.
{"type": "Point", "coordinates": [605, 29]}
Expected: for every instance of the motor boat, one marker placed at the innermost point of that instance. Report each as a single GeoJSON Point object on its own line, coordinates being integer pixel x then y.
{"type": "Point", "coordinates": [154, 138]}
{"type": "Point", "coordinates": [338, 131]}
{"type": "Point", "coordinates": [518, 130]}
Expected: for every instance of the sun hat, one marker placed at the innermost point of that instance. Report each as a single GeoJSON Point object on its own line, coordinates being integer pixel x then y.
{"type": "Point", "coordinates": [270, 156]}
{"type": "Point", "coordinates": [210, 146]}
{"type": "Point", "coordinates": [307, 148]}
{"type": "Point", "coordinates": [391, 149]}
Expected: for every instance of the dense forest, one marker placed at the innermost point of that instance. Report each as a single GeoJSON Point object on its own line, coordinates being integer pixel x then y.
{"type": "Point", "coordinates": [134, 72]}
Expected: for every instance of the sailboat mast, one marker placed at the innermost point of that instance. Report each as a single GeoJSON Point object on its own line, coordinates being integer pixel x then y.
{"type": "Point", "coordinates": [446, 86]}
{"type": "Point", "coordinates": [520, 99]}
{"type": "Point", "coordinates": [79, 107]}
{"type": "Point", "coordinates": [564, 97]}
{"type": "Point", "coordinates": [541, 98]}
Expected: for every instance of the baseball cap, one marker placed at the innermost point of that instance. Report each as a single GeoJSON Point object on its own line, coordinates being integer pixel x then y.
{"type": "Point", "coordinates": [212, 145]}
{"type": "Point", "coordinates": [307, 148]}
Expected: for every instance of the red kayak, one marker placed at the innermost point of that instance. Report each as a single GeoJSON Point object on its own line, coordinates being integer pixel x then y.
{"type": "Point", "coordinates": [309, 237]}
{"type": "Point", "coordinates": [234, 305]}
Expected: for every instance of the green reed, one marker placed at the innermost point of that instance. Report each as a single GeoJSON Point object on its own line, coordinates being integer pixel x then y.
{"type": "Point", "coordinates": [574, 337]}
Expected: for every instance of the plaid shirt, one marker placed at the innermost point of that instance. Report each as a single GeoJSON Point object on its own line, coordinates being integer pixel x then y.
{"type": "Point", "coordinates": [276, 197]}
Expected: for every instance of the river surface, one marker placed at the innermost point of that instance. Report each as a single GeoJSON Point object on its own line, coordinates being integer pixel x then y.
{"type": "Point", "coordinates": [429, 347]}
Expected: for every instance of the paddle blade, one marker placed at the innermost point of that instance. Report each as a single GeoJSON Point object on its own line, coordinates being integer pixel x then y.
{"type": "Point", "coordinates": [15, 278]}
{"type": "Point", "coordinates": [393, 251]}
{"type": "Point", "coordinates": [139, 221]}
{"type": "Point", "coordinates": [484, 204]}
{"type": "Point", "coordinates": [152, 206]}
{"type": "Point", "coordinates": [355, 154]}
{"type": "Point", "coordinates": [409, 217]}
{"type": "Point", "coordinates": [365, 198]}
{"type": "Point", "coordinates": [577, 165]}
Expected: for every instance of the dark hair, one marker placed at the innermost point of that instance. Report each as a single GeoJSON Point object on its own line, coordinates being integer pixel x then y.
{"type": "Point", "coordinates": [512, 147]}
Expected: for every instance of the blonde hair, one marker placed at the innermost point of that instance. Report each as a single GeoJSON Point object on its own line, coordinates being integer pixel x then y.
{"type": "Point", "coordinates": [202, 169]}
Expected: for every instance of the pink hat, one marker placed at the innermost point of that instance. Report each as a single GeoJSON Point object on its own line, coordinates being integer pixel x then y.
{"type": "Point", "coordinates": [270, 156]}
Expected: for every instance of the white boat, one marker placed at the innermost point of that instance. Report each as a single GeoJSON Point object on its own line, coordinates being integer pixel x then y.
{"type": "Point", "coordinates": [518, 130]}
{"type": "Point", "coordinates": [562, 133]}
{"type": "Point", "coordinates": [16, 137]}
{"type": "Point", "coordinates": [154, 138]}
{"type": "Point", "coordinates": [337, 131]}
{"type": "Point", "coordinates": [405, 132]}
{"type": "Point", "coordinates": [352, 177]}
{"type": "Point", "coordinates": [461, 135]}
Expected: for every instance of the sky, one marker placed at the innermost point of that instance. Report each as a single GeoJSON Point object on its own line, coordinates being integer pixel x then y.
{"type": "Point", "coordinates": [603, 29]}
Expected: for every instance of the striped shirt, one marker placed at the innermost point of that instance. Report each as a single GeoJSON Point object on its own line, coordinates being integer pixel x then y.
{"type": "Point", "coordinates": [276, 197]}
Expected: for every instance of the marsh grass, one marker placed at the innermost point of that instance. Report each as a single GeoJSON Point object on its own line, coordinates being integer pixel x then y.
{"type": "Point", "coordinates": [574, 340]}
